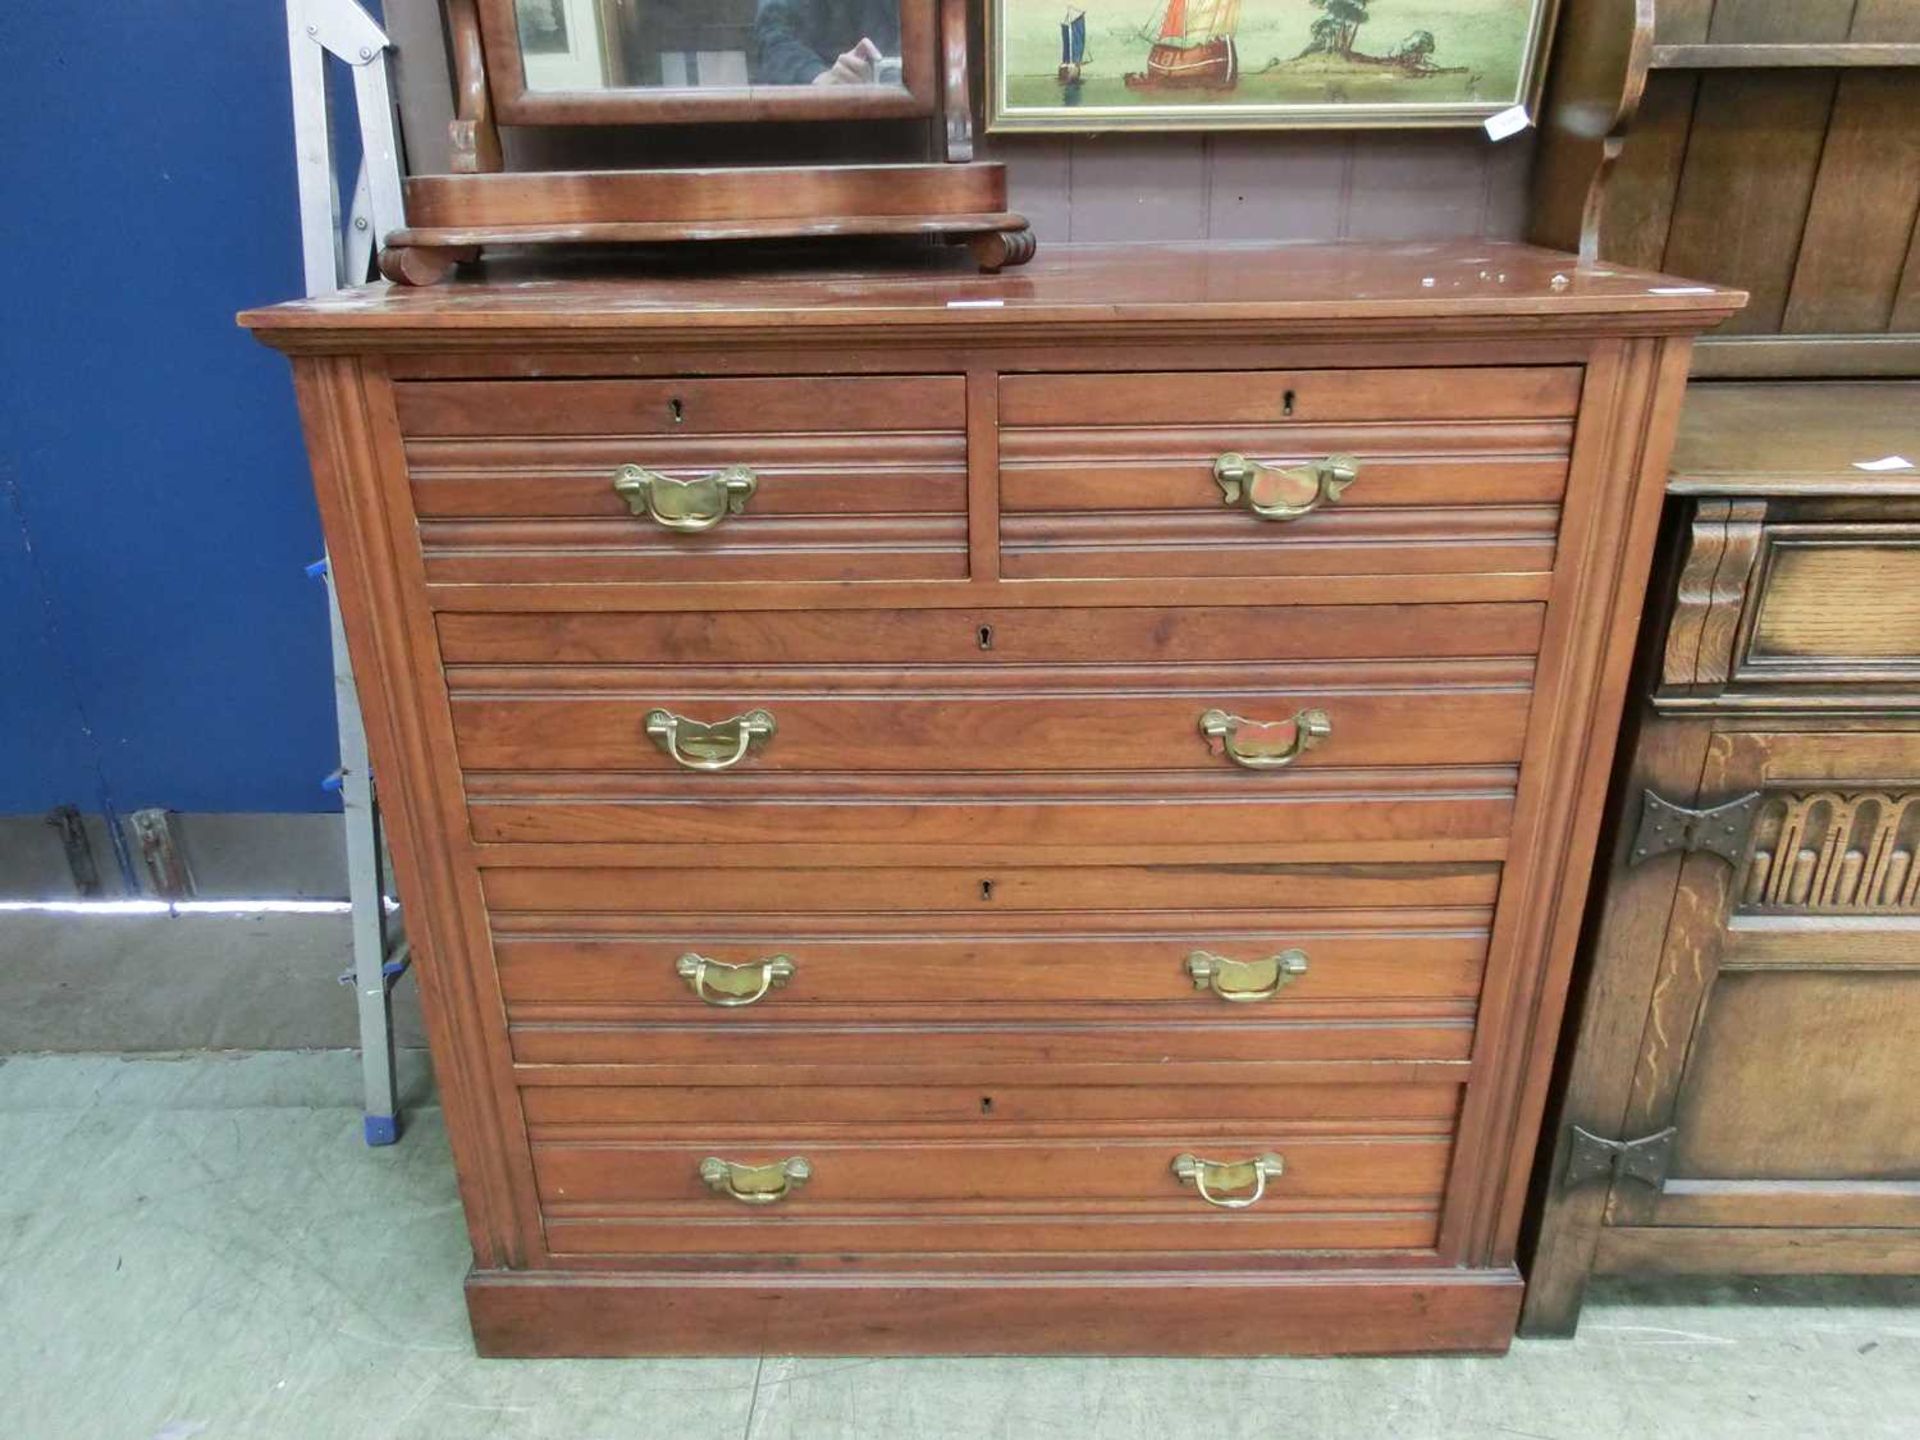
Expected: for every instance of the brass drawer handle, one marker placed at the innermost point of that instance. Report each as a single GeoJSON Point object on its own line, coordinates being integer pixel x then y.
{"type": "Point", "coordinates": [688, 506]}
{"type": "Point", "coordinates": [755, 1184]}
{"type": "Point", "coordinates": [719, 746]}
{"type": "Point", "coordinates": [718, 983]}
{"type": "Point", "coordinates": [1309, 727]}
{"type": "Point", "coordinates": [1216, 1179]}
{"type": "Point", "coordinates": [1244, 981]}
{"type": "Point", "coordinates": [1275, 492]}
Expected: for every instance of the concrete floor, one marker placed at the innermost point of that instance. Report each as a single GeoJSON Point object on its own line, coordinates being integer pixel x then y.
{"type": "Point", "coordinates": [182, 982]}
{"type": "Point", "coordinates": [202, 1247]}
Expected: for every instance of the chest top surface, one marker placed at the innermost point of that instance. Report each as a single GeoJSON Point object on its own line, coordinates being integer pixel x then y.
{"type": "Point", "coordinates": [1361, 286]}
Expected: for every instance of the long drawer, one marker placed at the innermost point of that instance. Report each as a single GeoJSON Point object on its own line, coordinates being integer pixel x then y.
{"type": "Point", "coordinates": [701, 1052]}
{"type": "Point", "coordinates": [860, 722]}
{"type": "Point", "coordinates": [668, 967]}
{"type": "Point", "coordinates": [986, 638]}
{"type": "Point", "coordinates": [563, 893]}
{"type": "Point", "coordinates": [1402, 813]}
{"type": "Point", "coordinates": [849, 478]}
{"type": "Point", "coordinates": [1043, 728]}
{"type": "Point", "coordinates": [1365, 472]}
{"type": "Point", "coordinates": [1021, 1170]}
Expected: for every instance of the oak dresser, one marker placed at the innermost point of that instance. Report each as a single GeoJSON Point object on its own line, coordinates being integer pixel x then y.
{"type": "Point", "coordinates": [1027, 813]}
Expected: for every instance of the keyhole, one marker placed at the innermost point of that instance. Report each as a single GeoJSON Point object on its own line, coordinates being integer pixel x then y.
{"type": "Point", "coordinates": [986, 637]}
{"type": "Point", "coordinates": [986, 890]}
{"type": "Point", "coordinates": [679, 411]}
{"type": "Point", "coordinates": [986, 1104]}
{"type": "Point", "coordinates": [1286, 403]}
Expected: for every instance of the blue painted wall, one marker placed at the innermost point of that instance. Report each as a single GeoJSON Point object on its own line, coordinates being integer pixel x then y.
{"type": "Point", "coordinates": [161, 645]}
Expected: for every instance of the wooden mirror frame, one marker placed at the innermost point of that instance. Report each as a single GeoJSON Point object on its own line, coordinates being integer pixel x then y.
{"type": "Point", "coordinates": [451, 218]}
{"type": "Point", "coordinates": [515, 104]}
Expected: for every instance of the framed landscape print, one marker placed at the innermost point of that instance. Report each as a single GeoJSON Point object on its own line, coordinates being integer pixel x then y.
{"type": "Point", "coordinates": [1246, 64]}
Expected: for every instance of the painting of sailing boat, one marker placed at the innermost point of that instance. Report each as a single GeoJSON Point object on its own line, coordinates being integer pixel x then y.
{"type": "Point", "coordinates": [1245, 64]}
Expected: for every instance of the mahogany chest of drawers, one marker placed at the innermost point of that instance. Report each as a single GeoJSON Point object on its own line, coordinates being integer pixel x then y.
{"type": "Point", "coordinates": [996, 814]}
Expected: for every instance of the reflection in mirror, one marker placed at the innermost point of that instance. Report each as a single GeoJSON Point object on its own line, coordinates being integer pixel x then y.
{"type": "Point", "coordinates": [723, 44]}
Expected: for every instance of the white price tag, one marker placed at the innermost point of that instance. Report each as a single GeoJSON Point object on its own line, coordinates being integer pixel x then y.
{"type": "Point", "coordinates": [974, 304]}
{"type": "Point", "coordinates": [1885, 463]}
{"type": "Point", "coordinates": [1507, 123]}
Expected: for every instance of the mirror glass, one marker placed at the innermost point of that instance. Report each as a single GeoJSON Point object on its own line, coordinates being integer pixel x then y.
{"type": "Point", "coordinates": [707, 44]}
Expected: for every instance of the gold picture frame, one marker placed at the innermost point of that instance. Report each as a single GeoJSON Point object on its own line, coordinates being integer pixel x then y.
{"type": "Point", "coordinates": [1088, 66]}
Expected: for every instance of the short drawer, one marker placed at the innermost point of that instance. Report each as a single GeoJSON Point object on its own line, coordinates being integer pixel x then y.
{"type": "Point", "coordinates": [1366, 472]}
{"type": "Point", "coordinates": [1834, 603]}
{"type": "Point", "coordinates": [1782, 608]}
{"type": "Point", "coordinates": [758, 405]}
{"type": "Point", "coordinates": [773, 968]}
{"type": "Point", "coordinates": [803, 478]}
{"type": "Point", "coordinates": [988, 1182]}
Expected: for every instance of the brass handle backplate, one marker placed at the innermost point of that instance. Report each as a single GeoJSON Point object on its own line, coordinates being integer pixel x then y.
{"type": "Point", "coordinates": [1241, 739]}
{"type": "Point", "coordinates": [1276, 492]}
{"type": "Point", "coordinates": [718, 983]}
{"type": "Point", "coordinates": [722, 745]}
{"type": "Point", "coordinates": [1217, 1180]}
{"type": "Point", "coordinates": [1243, 981]}
{"type": "Point", "coordinates": [686, 506]}
{"type": "Point", "coordinates": [755, 1184]}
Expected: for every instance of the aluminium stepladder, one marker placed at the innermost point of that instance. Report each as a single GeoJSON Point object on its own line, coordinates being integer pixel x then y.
{"type": "Point", "coordinates": [337, 255]}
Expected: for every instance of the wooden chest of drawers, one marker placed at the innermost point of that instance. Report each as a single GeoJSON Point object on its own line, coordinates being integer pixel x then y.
{"type": "Point", "coordinates": [955, 813]}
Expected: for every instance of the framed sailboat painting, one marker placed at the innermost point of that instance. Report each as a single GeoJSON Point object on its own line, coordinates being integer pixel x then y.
{"type": "Point", "coordinates": [1090, 65]}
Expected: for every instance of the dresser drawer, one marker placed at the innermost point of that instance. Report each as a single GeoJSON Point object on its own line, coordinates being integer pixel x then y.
{"type": "Point", "coordinates": [846, 479]}
{"type": "Point", "coordinates": [1228, 1048]}
{"type": "Point", "coordinates": [563, 894]}
{"type": "Point", "coordinates": [687, 723]}
{"type": "Point", "coordinates": [1407, 812]}
{"type": "Point", "coordinates": [761, 405]}
{"type": "Point", "coordinates": [987, 637]}
{"type": "Point", "coordinates": [1314, 473]}
{"type": "Point", "coordinates": [1303, 397]}
{"type": "Point", "coordinates": [775, 968]}
{"type": "Point", "coordinates": [989, 1184]}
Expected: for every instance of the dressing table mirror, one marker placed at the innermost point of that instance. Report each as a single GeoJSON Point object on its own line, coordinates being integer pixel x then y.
{"type": "Point", "coordinates": [740, 64]}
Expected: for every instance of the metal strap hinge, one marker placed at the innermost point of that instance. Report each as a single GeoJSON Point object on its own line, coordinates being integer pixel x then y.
{"type": "Point", "coordinates": [1717, 830]}
{"type": "Point", "coordinates": [1591, 1158]}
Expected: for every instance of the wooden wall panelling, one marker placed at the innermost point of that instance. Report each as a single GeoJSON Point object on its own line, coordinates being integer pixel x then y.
{"type": "Point", "coordinates": [1637, 213]}
{"type": "Point", "coordinates": [1738, 222]}
{"type": "Point", "coordinates": [1860, 226]}
{"type": "Point", "coordinates": [1276, 187]}
{"type": "Point", "coordinates": [1420, 187]}
{"type": "Point", "coordinates": [1134, 187]}
{"type": "Point", "coordinates": [1906, 301]}
{"type": "Point", "coordinates": [1759, 22]}
{"type": "Point", "coordinates": [1682, 22]}
{"type": "Point", "coordinates": [1887, 20]}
